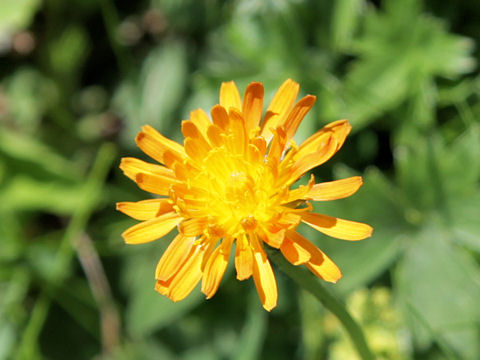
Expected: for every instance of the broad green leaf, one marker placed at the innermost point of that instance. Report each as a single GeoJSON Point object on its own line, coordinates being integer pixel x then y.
{"type": "Point", "coordinates": [460, 164]}
{"type": "Point", "coordinates": [440, 282]}
{"type": "Point", "coordinates": [399, 52]}
{"type": "Point", "coordinates": [465, 220]}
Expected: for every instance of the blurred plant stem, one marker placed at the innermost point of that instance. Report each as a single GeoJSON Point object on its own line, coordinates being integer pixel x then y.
{"type": "Point", "coordinates": [112, 20]}
{"type": "Point", "coordinates": [76, 227]}
{"type": "Point", "coordinates": [310, 283]}
{"type": "Point", "coordinates": [98, 283]}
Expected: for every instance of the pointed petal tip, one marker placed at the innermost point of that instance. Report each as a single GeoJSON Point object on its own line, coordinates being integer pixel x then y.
{"type": "Point", "coordinates": [269, 307]}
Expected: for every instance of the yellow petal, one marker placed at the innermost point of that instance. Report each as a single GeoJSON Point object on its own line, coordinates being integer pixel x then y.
{"type": "Point", "coordinates": [162, 286]}
{"type": "Point", "coordinates": [243, 258]}
{"type": "Point", "coordinates": [201, 120]}
{"type": "Point", "coordinates": [327, 147]}
{"type": "Point", "coordinates": [215, 269]}
{"type": "Point", "coordinates": [150, 230]}
{"type": "Point", "coordinates": [131, 167]}
{"type": "Point", "coordinates": [334, 190]}
{"type": "Point", "coordinates": [318, 263]}
{"type": "Point", "coordinates": [190, 131]}
{"type": "Point", "coordinates": [145, 209]}
{"type": "Point", "coordinates": [196, 149]}
{"type": "Point", "coordinates": [173, 257]}
{"type": "Point", "coordinates": [220, 117]}
{"type": "Point", "coordinates": [338, 129]}
{"type": "Point", "coordinates": [338, 228]}
{"type": "Point", "coordinates": [301, 108]}
{"type": "Point", "coordinates": [229, 96]}
{"type": "Point", "coordinates": [154, 183]}
{"type": "Point", "coordinates": [294, 252]}
{"type": "Point", "coordinates": [188, 276]}
{"type": "Point", "coordinates": [215, 135]}
{"type": "Point", "coordinates": [253, 105]}
{"type": "Point", "coordinates": [279, 107]}
{"type": "Point", "coordinates": [192, 226]}
{"type": "Point", "coordinates": [238, 132]}
{"type": "Point", "coordinates": [156, 145]}
{"type": "Point", "coordinates": [278, 144]}
{"type": "Point", "coordinates": [273, 236]}
{"type": "Point", "coordinates": [264, 278]}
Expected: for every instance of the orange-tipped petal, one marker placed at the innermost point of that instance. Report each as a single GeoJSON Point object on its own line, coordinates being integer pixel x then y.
{"type": "Point", "coordinates": [279, 108]}
{"type": "Point", "coordinates": [278, 144]}
{"type": "Point", "coordinates": [173, 257]}
{"type": "Point", "coordinates": [327, 147]}
{"type": "Point", "coordinates": [131, 167]}
{"type": "Point", "coordinates": [253, 105]}
{"type": "Point", "coordinates": [155, 183]}
{"type": "Point", "coordinates": [215, 269]}
{"type": "Point", "coordinates": [273, 236]}
{"type": "Point", "coordinates": [162, 286]}
{"type": "Point", "coordinates": [238, 132]}
{"type": "Point", "coordinates": [318, 263]}
{"type": "Point", "coordinates": [229, 95]}
{"type": "Point", "coordinates": [220, 117]}
{"type": "Point", "coordinates": [301, 108]}
{"type": "Point", "coordinates": [334, 190]}
{"type": "Point", "coordinates": [338, 228]}
{"type": "Point", "coordinates": [215, 135]}
{"type": "Point", "coordinates": [201, 120]}
{"type": "Point", "coordinates": [338, 129]}
{"type": "Point", "coordinates": [145, 209]}
{"type": "Point", "coordinates": [294, 252]}
{"type": "Point", "coordinates": [156, 145]}
{"type": "Point", "coordinates": [264, 278]}
{"type": "Point", "coordinates": [243, 258]}
{"type": "Point", "coordinates": [150, 230]}
{"type": "Point", "coordinates": [195, 143]}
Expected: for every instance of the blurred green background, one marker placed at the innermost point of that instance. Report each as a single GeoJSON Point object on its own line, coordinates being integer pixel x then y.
{"type": "Point", "coordinates": [77, 80]}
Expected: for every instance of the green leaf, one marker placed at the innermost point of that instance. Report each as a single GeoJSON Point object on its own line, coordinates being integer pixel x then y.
{"type": "Point", "coordinates": [249, 344]}
{"type": "Point", "coordinates": [28, 155]}
{"type": "Point", "coordinates": [17, 14]}
{"type": "Point", "coordinates": [158, 93]}
{"type": "Point", "coordinates": [440, 282]}
{"type": "Point", "coordinates": [465, 223]}
{"type": "Point", "coordinates": [24, 193]}
{"type": "Point", "coordinates": [346, 14]}
{"type": "Point", "coordinates": [395, 60]}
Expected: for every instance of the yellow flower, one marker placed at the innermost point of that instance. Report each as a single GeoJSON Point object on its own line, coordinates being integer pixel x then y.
{"type": "Point", "coordinates": [230, 182]}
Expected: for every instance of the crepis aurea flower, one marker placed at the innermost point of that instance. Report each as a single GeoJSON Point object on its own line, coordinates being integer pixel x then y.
{"type": "Point", "coordinates": [230, 184]}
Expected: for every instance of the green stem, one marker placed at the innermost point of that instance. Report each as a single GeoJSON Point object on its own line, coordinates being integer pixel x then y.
{"type": "Point", "coordinates": [310, 283]}
{"type": "Point", "coordinates": [112, 20]}
{"type": "Point", "coordinates": [94, 185]}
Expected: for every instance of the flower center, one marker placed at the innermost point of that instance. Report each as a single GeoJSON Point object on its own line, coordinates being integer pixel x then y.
{"type": "Point", "coordinates": [240, 193]}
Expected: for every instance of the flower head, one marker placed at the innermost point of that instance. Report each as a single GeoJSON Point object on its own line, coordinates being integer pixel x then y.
{"type": "Point", "coordinates": [230, 183]}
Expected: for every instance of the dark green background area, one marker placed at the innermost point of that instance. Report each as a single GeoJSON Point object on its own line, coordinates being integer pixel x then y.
{"type": "Point", "coordinates": [79, 78]}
